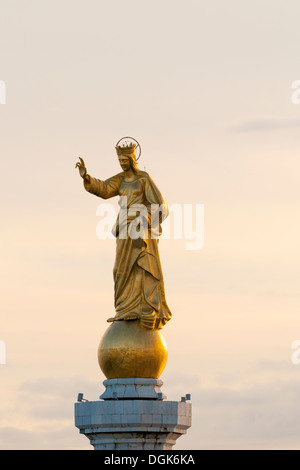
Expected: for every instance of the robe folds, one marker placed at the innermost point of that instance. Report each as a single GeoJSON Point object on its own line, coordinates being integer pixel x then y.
{"type": "Point", "coordinates": [138, 279]}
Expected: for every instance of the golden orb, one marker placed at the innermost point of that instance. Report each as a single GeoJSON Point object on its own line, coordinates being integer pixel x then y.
{"type": "Point", "coordinates": [127, 349]}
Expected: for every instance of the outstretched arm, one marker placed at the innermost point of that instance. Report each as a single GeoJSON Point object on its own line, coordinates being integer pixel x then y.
{"type": "Point", "coordinates": [105, 189]}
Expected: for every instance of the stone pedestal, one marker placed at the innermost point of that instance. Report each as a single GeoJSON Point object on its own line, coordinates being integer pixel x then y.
{"type": "Point", "coordinates": [133, 415]}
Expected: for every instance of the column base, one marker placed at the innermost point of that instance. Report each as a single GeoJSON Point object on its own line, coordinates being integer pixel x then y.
{"type": "Point", "coordinates": [133, 424]}
{"type": "Point", "coordinates": [133, 420]}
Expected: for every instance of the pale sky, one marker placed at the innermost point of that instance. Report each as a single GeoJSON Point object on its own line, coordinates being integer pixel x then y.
{"type": "Point", "coordinates": [205, 87]}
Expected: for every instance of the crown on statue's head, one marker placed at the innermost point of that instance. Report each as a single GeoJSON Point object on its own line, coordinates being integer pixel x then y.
{"type": "Point", "coordinates": [126, 150]}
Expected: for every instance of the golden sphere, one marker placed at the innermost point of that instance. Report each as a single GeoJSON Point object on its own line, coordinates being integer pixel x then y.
{"type": "Point", "coordinates": [127, 349]}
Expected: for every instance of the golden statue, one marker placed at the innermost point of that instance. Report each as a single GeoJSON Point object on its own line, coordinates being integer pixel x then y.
{"type": "Point", "coordinates": [139, 293]}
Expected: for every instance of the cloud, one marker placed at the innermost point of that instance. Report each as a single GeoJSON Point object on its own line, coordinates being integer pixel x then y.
{"type": "Point", "coordinates": [259, 124]}
{"type": "Point", "coordinates": [57, 437]}
{"type": "Point", "coordinates": [48, 414]}
{"type": "Point", "coordinates": [52, 399]}
{"type": "Point", "coordinates": [230, 416]}
{"type": "Point", "coordinates": [57, 387]}
{"type": "Point", "coordinates": [259, 416]}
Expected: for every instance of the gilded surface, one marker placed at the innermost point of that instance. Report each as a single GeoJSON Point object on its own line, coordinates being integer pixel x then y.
{"type": "Point", "coordinates": [127, 349]}
{"type": "Point", "coordinates": [133, 346]}
{"type": "Point", "coordinates": [139, 291]}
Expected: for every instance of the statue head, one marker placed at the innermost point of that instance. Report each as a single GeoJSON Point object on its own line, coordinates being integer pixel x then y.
{"type": "Point", "coordinates": [127, 157]}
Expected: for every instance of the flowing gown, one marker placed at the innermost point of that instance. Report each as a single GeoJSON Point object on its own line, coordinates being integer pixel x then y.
{"type": "Point", "coordinates": [138, 279]}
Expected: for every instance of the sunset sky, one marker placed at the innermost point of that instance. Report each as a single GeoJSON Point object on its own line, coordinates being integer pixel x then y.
{"type": "Point", "coordinates": [206, 88]}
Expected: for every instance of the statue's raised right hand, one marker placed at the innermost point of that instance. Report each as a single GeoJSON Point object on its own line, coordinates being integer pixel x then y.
{"type": "Point", "coordinates": [81, 167]}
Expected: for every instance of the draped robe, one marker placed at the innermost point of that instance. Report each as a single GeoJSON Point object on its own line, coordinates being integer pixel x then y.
{"type": "Point", "coordinates": [138, 279]}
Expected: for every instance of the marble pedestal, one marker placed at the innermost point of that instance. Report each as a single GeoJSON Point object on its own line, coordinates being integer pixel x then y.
{"type": "Point", "coordinates": [132, 414]}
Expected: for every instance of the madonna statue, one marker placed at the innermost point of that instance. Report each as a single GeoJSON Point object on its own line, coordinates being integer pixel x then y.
{"type": "Point", "coordinates": [138, 279]}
